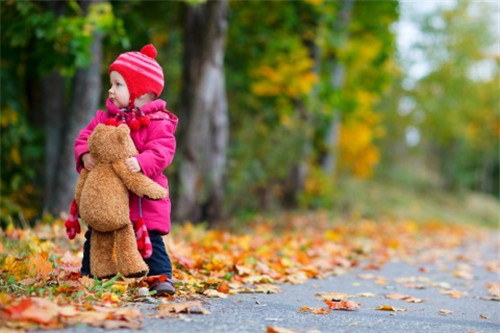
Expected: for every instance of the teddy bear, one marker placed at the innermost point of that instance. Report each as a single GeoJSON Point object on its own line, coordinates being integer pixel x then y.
{"type": "Point", "coordinates": [102, 199]}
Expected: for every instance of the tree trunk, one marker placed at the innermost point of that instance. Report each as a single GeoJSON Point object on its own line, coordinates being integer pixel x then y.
{"type": "Point", "coordinates": [86, 93]}
{"type": "Point", "coordinates": [53, 104]}
{"type": "Point", "coordinates": [337, 82]}
{"type": "Point", "coordinates": [205, 136]}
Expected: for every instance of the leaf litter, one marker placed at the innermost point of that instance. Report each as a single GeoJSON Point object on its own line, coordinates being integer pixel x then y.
{"type": "Point", "coordinates": [41, 285]}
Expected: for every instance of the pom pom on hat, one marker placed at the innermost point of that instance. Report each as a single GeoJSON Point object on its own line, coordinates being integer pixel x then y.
{"type": "Point", "coordinates": [141, 71]}
{"type": "Point", "coordinates": [111, 122]}
{"type": "Point", "coordinates": [149, 50]}
{"type": "Point", "coordinates": [134, 125]}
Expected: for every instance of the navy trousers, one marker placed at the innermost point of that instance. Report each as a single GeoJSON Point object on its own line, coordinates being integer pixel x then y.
{"type": "Point", "coordinates": [159, 263]}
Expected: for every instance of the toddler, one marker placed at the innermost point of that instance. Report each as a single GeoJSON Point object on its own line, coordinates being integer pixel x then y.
{"type": "Point", "coordinates": [136, 82]}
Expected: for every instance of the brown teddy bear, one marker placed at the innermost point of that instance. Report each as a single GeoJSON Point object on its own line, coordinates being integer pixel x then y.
{"type": "Point", "coordinates": [102, 198]}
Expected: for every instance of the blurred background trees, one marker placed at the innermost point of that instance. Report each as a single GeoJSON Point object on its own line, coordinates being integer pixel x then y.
{"type": "Point", "coordinates": [282, 105]}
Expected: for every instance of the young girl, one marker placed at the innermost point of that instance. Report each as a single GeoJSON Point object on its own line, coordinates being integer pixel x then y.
{"type": "Point", "coordinates": [136, 81]}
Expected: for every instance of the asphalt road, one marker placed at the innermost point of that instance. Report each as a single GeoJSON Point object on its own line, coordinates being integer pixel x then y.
{"type": "Point", "coordinates": [440, 273]}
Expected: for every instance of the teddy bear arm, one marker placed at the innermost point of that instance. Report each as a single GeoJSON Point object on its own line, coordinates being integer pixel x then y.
{"type": "Point", "coordinates": [79, 185]}
{"type": "Point", "coordinates": [138, 183]}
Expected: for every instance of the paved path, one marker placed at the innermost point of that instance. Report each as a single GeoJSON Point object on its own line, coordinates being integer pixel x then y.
{"type": "Point", "coordinates": [255, 312]}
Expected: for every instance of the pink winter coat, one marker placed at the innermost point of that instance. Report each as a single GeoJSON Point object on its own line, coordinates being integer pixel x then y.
{"type": "Point", "coordinates": [156, 146]}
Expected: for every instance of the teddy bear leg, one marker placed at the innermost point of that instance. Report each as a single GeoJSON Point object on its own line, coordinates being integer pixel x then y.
{"type": "Point", "coordinates": [130, 262]}
{"type": "Point", "coordinates": [102, 264]}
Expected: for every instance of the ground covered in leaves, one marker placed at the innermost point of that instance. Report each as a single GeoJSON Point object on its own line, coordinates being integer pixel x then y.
{"type": "Point", "coordinates": [41, 286]}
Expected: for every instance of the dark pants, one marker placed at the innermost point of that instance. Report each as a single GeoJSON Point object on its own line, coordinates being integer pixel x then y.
{"type": "Point", "coordinates": [159, 262]}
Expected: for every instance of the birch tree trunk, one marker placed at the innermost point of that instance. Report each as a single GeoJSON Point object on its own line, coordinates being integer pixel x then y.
{"type": "Point", "coordinates": [205, 132]}
{"type": "Point", "coordinates": [86, 93]}
{"type": "Point", "coordinates": [329, 162]}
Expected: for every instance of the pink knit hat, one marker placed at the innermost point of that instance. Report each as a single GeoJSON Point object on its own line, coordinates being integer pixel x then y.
{"type": "Point", "coordinates": [140, 71]}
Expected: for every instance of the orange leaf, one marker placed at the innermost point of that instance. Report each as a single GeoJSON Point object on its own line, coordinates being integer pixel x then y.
{"type": "Point", "coordinates": [271, 329]}
{"type": "Point", "coordinates": [315, 310]}
{"type": "Point", "coordinates": [390, 308]}
{"type": "Point", "coordinates": [223, 287]}
{"type": "Point", "coordinates": [342, 305]}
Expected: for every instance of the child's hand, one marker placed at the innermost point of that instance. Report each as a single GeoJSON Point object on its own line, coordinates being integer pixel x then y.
{"type": "Point", "coordinates": [132, 164]}
{"type": "Point", "coordinates": [88, 161]}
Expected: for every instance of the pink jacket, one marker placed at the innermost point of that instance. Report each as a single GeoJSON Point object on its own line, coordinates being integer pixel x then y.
{"type": "Point", "coordinates": [156, 146]}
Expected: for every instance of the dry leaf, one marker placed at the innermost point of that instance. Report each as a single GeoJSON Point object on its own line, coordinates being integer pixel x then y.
{"type": "Point", "coordinates": [493, 288]}
{"type": "Point", "coordinates": [406, 298]}
{"type": "Point", "coordinates": [258, 279]}
{"type": "Point", "coordinates": [267, 288]}
{"type": "Point", "coordinates": [390, 308]}
{"type": "Point", "coordinates": [452, 293]}
{"type": "Point", "coordinates": [396, 296]}
{"type": "Point", "coordinates": [214, 293]}
{"type": "Point", "coordinates": [445, 312]}
{"type": "Point", "coordinates": [167, 310]}
{"type": "Point", "coordinates": [110, 318]}
{"type": "Point", "coordinates": [296, 278]}
{"type": "Point", "coordinates": [273, 329]}
{"type": "Point", "coordinates": [223, 287]}
{"type": "Point", "coordinates": [315, 310]}
{"type": "Point", "coordinates": [342, 305]}
{"type": "Point", "coordinates": [242, 270]}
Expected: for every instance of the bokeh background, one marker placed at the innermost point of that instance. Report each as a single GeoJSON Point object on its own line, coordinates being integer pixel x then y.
{"type": "Point", "coordinates": [360, 109]}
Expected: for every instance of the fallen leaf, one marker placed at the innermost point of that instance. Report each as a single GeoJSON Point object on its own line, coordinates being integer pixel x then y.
{"type": "Point", "coordinates": [493, 288]}
{"type": "Point", "coordinates": [167, 310]}
{"type": "Point", "coordinates": [223, 287]}
{"type": "Point", "coordinates": [483, 316]}
{"type": "Point", "coordinates": [390, 308]}
{"type": "Point", "coordinates": [396, 296]}
{"type": "Point", "coordinates": [273, 329]}
{"type": "Point", "coordinates": [452, 293]}
{"type": "Point", "coordinates": [267, 288]}
{"type": "Point", "coordinates": [342, 305]}
{"type": "Point", "coordinates": [445, 312]}
{"type": "Point", "coordinates": [110, 318]}
{"type": "Point", "coordinates": [315, 310]}
{"type": "Point", "coordinates": [406, 298]}
{"type": "Point", "coordinates": [258, 279]}
{"type": "Point", "coordinates": [296, 278]}
{"type": "Point", "coordinates": [242, 270]}
{"type": "Point", "coordinates": [214, 293]}
{"type": "Point", "coordinates": [39, 264]}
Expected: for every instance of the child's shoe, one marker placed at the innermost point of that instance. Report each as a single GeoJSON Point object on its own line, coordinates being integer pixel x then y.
{"type": "Point", "coordinates": [164, 288]}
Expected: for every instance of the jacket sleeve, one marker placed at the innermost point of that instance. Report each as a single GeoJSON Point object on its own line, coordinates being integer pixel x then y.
{"type": "Point", "coordinates": [160, 148]}
{"type": "Point", "coordinates": [81, 146]}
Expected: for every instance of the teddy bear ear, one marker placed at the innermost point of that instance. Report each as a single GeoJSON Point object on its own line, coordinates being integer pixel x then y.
{"type": "Point", "coordinates": [122, 133]}
{"type": "Point", "coordinates": [123, 130]}
{"type": "Point", "coordinates": [99, 127]}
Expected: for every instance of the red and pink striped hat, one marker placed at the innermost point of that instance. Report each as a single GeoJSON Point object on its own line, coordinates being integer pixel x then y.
{"type": "Point", "coordinates": [141, 71]}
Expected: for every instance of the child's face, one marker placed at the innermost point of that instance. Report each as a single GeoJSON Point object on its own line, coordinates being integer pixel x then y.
{"type": "Point", "coordinates": [118, 93]}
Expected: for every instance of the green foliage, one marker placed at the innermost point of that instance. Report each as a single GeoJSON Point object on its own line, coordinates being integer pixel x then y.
{"type": "Point", "coordinates": [21, 154]}
{"type": "Point", "coordinates": [456, 103]}
{"type": "Point", "coordinates": [35, 42]}
{"type": "Point", "coordinates": [285, 59]}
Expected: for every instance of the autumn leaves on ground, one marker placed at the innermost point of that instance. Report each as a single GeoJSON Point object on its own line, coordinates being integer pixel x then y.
{"type": "Point", "coordinates": [41, 287]}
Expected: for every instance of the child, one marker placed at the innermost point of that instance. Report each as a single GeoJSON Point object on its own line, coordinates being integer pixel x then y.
{"type": "Point", "coordinates": [136, 81]}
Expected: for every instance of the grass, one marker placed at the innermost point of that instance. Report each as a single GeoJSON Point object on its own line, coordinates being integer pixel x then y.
{"type": "Point", "coordinates": [384, 199]}
{"type": "Point", "coordinates": [392, 199]}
